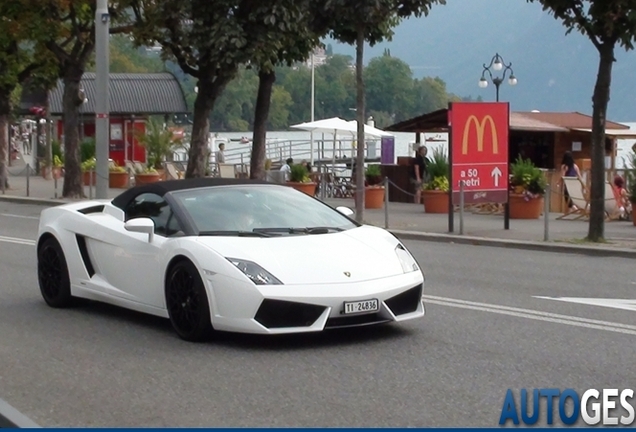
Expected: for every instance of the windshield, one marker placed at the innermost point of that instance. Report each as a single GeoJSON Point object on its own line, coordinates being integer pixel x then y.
{"type": "Point", "coordinates": [262, 209]}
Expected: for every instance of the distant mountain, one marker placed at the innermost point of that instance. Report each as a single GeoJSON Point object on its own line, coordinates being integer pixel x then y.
{"type": "Point", "coordinates": [555, 72]}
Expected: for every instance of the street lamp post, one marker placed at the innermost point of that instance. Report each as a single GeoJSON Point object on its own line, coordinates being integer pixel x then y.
{"type": "Point", "coordinates": [313, 96]}
{"type": "Point", "coordinates": [497, 64]}
{"type": "Point", "coordinates": [102, 25]}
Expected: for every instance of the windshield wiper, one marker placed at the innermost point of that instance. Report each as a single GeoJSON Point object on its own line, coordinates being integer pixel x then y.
{"type": "Point", "coordinates": [309, 230]}
{"type": "Point", "coordinates": [234, 233]}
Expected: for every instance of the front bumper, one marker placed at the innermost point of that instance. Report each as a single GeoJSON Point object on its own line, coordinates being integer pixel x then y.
{"type": "Point", "coordinates": [311, 308]}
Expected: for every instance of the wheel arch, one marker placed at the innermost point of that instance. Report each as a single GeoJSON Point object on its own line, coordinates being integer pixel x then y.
{"type": "Point", "coordinates": [44, 237]}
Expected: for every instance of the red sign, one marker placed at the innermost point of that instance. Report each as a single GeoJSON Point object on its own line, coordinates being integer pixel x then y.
{"type": "Point", "coordinates": [479, 151]}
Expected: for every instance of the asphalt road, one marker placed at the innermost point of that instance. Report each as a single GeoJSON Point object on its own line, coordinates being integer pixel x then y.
{"type": "Point", "coordinates": [485, 331]}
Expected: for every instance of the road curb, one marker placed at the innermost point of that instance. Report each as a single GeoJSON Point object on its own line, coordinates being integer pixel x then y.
{"type": "Point", "coordinates": [34, 201]}
{"type": "Point", "coordinates": [517, 244]}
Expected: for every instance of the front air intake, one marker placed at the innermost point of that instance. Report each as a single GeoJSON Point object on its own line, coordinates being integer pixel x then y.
{"type": "Point", "coordinates": [280, 314]}
{"type": "Point", "coordinates": [406, 302]}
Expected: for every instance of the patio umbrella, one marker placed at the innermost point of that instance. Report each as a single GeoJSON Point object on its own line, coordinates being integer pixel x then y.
{"type": "Point", "coordinates": [333, 125]}
{"type": "Point", "coordinates": [370, 130]}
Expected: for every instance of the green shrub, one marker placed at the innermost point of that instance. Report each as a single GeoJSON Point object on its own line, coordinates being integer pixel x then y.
{"type": "Point", "coordinates": [299, 174]}
{"type": "Point", "coordinates": [527, 178]}
{"type": "Point", "coordinates": [438, 171]}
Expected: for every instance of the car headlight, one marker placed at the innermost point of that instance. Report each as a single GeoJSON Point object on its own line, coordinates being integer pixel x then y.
{"type": "Point", "coordinates": [256, 273]}
{"type": "Point", "coordinates": [406, 259]}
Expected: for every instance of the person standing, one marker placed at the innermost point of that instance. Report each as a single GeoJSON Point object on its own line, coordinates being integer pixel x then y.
{"type": "Point", "coordinates": [220, 155]}
{"type": "Point", "coordinates": [419, 172]}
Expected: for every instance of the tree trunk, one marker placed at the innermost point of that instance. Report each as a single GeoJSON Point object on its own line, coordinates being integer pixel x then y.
{"type": "Point", "coordinates": [208, 93]}
{"type": "Point", "coordinates": [5, 112]}
{"type": "Point", "coordinates": [600, 100]}
{"type": "Point", "coordinates": [73, 182]}
{"type": "Point", "coordinates": [360, 116]}
{"type": "Point", "coordinates": [266, 81]}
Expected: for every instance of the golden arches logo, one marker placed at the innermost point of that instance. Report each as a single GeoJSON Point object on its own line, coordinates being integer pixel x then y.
{"type": "Point", "coordinates": [480, 129]}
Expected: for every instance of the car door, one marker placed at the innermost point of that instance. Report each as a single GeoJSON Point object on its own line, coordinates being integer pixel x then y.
{"type": "Point", "coordinates": [131, 263]}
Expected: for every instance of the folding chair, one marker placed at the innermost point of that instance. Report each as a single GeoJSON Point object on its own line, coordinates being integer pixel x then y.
{"type": "Point", "coordinates": [577, 191]}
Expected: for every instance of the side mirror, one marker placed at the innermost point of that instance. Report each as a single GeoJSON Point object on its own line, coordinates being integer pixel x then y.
{"type": "Point", "coordinates": [141, 225]}
{"type": "Point", "coordinates": [345, 210]}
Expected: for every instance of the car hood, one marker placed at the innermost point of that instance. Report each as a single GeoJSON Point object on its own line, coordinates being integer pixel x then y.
{"type": "Point", "coordinates": [355, 255]}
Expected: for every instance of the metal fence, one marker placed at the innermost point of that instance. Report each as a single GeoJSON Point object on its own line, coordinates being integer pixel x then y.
{"type": "Point", "coordinates": [11, 418]}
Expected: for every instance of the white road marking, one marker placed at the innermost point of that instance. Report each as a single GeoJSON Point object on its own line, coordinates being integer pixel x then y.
{"type": "Point", "coordinates": [625, 304]}
{"type": "Point", "coordinates": [19, 216]}
{"type": "Point", "coordinates": [533, 314]}
{"type": "Point", "coordinates": [16, 240]}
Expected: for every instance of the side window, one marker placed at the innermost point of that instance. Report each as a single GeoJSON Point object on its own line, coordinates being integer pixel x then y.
{"type": "Point", "coordinates": [156, 208]}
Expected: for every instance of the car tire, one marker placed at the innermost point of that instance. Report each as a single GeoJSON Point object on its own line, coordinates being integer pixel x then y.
{"type": "Point", "coordinates": [53, 276]}
{"type": "Point", "coordinates": [187, 303]}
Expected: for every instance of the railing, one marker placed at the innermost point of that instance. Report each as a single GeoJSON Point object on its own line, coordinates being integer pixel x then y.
{"type": "Point", "coordinates": [324, 150]}
{"type": "Point", "coordinates": [11, 418]}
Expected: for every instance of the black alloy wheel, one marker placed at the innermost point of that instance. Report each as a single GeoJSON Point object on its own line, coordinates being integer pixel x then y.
{"type": "Point", "coordinates": [53, 277]}
{"type": "Point", "coordinates": [187, 303]}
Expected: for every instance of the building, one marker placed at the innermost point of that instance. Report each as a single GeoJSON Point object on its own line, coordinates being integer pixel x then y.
{"type": "Point", "coordinates": [132, 99]}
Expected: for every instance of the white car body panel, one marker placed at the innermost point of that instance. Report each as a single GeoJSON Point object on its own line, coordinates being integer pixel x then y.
{"type": "Point", "coordinates": [324, 269]}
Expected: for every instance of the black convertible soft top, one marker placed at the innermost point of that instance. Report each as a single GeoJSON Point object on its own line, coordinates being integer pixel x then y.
{"type": "Point", "coordinates": [163, 187]}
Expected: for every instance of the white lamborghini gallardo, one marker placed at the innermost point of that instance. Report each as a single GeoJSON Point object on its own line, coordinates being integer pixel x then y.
{"type": "Point", "coordinates": [227, 255]}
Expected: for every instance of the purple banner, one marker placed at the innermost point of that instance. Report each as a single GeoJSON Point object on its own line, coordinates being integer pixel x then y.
{"type": "Point", "coordinates": [387, 152]}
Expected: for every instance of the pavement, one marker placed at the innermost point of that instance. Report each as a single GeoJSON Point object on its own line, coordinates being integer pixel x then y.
{"type": "Point", "coordinates": [487, 329]}
{"type": "Point", "coordinates": [408, 220]}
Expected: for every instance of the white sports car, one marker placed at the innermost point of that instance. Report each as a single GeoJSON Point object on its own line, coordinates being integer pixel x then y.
{"type": "Point", "coordinates": [230, 255]}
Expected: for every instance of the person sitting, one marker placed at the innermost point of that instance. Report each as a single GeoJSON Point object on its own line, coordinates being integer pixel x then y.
{"type": "Point", "coordinates": [622, 197]}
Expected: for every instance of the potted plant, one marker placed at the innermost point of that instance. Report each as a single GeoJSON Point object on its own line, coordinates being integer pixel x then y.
{"type": "Point", "coordinates": [527, 188]}
{"type": "Point", "coordinates": [299, 179]}
{"type": "Point", "coordinates": [117, 176]}
{"type": "Point", "coordinates": [57, 167]}
{"type": "Point", "coordinates": [87, 167]}
{"type": "Point", "coordinates": [148, 175]}
{"type": "Point", "coordinates": [159, 143]}
{"type": "Point", "coordinates": [373, 190]}
{"type": "Point", "coordinates": [435, 192]}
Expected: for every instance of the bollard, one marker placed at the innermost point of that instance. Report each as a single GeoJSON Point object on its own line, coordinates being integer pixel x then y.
{"type": "Point", "coordinates": [55, 185]}
{"type": "Point", "coordinates": [4, 180]}
{"type": "Point", "coordinates": [461, 207]}
{"type": "Point", "coordinates": [28, 178]}
{"type": "Point", "coordinates": [386, 203]}
{"type": "Point", "coordinates": [546, 214]}
{"type": "Point", "coordinates": [90, 184]}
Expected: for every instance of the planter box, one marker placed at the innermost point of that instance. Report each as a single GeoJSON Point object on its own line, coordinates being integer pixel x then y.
{"type": "Point", "coordinates": [374, 197]}
{"type": "Point", "coordinates": [522, 209]}
{"type": "Point", "coordinates": [118, 180]}
{"type": "Point", "coordinates": [87, 178]}
{"type": "Point", "coordinates": [142, 179]}
{"type": "Point", "coordinates": [308, 188]}
{"type": "Point", "coordinates": [435, 201]}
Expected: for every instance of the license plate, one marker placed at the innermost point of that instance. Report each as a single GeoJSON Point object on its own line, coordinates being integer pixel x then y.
{"type": "Point", "coordinates": [363, 306]}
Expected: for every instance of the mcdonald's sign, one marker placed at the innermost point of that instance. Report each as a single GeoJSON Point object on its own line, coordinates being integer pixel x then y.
{"type": "Point", "coordinates": [479, 150]}
{"type": "Point", "coordinates": [480, 128]}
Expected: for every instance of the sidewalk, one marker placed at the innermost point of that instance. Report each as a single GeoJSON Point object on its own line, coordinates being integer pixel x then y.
{"type": "Point", "coordinates": [410, 221]}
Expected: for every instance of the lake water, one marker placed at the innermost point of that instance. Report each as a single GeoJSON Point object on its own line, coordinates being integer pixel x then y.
{"type": "Point", "coordinates": [279, 145]}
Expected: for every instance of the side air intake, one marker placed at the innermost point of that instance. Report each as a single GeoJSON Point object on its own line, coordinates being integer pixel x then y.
{"type": "Point", "coordinates": [81, 244]}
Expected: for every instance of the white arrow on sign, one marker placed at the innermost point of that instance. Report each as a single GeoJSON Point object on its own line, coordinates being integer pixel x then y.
{"type": "Point", "coordinates": [624, 304]}
{"type": "Point", "coordinates": [496, 173]}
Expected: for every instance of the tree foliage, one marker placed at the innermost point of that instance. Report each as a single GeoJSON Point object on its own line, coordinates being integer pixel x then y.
{"type": "Point", "coordinates": [357, 22]}
{"type": "Point", "coordinates": [21, 59]}
{"type": "Point", "coordinates": [68, 32]}
{"type": "Point", "coordinates": [607, 23]}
